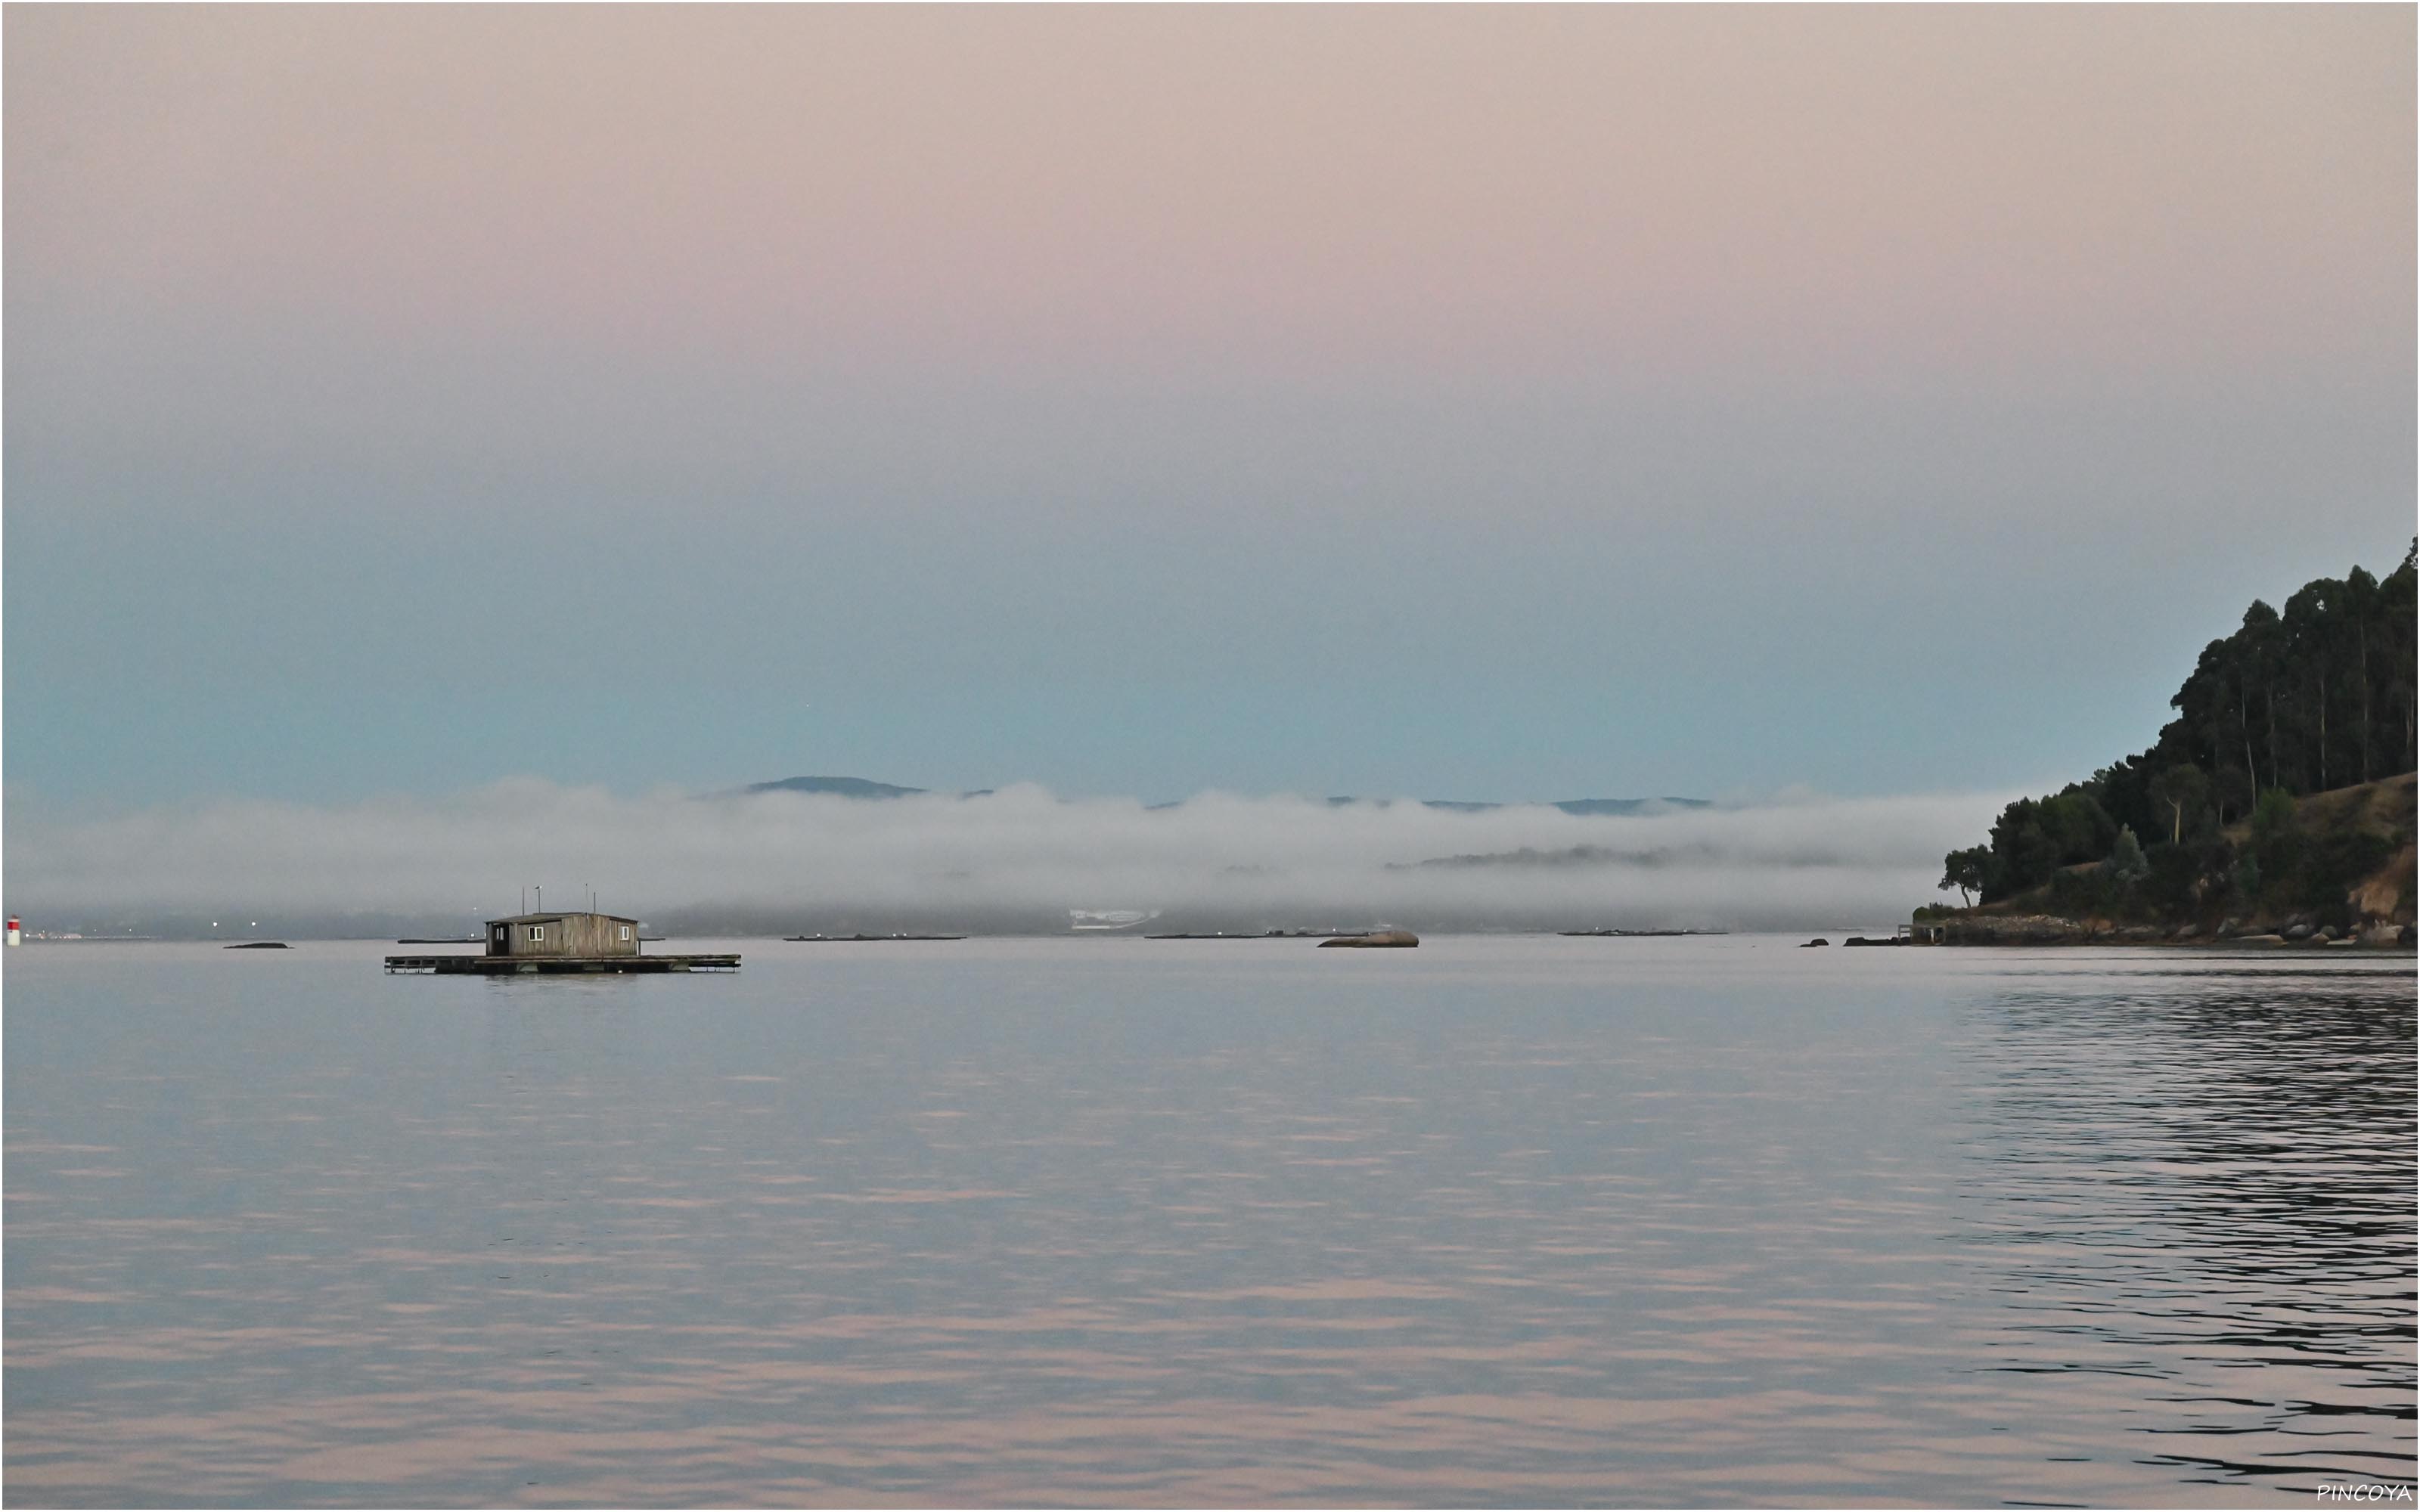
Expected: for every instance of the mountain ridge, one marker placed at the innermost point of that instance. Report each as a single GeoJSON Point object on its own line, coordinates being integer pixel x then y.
{"type": "Point", "coordinates": [863, 788]}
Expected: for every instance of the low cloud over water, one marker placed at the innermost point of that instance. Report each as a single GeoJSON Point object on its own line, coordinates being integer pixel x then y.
{"type": "Point", "coordinates": [1018, 858]}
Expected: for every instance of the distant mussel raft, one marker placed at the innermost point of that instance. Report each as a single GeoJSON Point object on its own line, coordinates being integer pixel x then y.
{"type": "Point", "coordinates": [566, 944]}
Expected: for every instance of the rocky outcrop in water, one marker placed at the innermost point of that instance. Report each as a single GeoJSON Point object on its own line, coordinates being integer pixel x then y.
{"type": "Point", "coordinates": [1385, 939]}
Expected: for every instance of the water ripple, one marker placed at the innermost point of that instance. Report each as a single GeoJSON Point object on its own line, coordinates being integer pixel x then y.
{"type": "Point", "coordinates": [1515, 1222]}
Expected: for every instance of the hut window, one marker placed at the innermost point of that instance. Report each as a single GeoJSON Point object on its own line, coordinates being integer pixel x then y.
{"type": "Point", "coordinates": [625, 932]}
{"type": "Point", "coordinates": [538, 932]}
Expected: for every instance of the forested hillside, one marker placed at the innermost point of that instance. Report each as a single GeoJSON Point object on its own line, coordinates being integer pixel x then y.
{"type": "Point", "coordinates": [2319, 697]}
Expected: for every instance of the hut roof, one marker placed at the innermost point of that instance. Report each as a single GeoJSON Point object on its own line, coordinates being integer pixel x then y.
{"type": "Point", "coordinates": [549, 918]}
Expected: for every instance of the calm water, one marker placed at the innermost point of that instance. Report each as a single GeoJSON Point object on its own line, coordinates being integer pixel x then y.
{"type": "Point", "coordinates": [1497, 1221]}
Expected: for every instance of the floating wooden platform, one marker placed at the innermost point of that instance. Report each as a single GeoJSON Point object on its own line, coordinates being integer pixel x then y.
{"type": "Point", "coordinates": [558, 966]}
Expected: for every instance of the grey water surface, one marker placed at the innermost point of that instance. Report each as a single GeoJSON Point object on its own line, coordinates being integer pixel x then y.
{"type": "Point", "coordinates": [1499, 1221]}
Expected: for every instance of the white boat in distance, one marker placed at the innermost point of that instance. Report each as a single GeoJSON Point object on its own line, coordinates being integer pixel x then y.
{"type": "Point", "coordinates": [1088, 921]}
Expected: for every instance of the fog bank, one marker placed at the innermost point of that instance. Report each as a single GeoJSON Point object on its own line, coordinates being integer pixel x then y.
{"type": "Point", "coordinates": [1017, 859]}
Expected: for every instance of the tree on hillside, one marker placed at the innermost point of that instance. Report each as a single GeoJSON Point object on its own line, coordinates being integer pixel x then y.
{"type": "Point", "coordinates": [2392, 619]}
{"type": "Point", "coordinates": [2361, 601]}
{"type": "Point", "coordinates": [2314, 623]}
{"type": "Point", "coordinates": [2077, 824]}
{"type": "Point", "coordinates": [1965, 871]}
{"type": "Point", "coordinates": [2127, 864]}
{"type": "Point", "coordinates": [2180, 789]}
{"type": "Point", "coordinates": [2256, 654]}
{"type": "Point", "coordinates": [2034, 838]}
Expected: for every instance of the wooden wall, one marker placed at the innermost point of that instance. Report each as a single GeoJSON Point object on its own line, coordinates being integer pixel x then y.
{"type": "Point", "coordinates": [572, 934]}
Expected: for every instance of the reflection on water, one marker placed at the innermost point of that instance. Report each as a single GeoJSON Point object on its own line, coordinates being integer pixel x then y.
{"type": "Point", "coordinates": [2196, 1195]}
{"type": "Point", "coordinates": [1504, 1222]}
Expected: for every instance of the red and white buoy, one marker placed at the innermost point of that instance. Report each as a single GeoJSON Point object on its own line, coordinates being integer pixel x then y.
{"type": "Point", "coordinates": [14, 938]}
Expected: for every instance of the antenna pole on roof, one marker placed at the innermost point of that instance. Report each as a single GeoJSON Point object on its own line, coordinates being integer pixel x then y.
{"type": "Point", "coordinates": [541, 897]}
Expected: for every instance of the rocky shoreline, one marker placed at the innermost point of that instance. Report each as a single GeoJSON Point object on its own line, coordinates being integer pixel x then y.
{"type": "Point", "coordinates": [2051, 929]}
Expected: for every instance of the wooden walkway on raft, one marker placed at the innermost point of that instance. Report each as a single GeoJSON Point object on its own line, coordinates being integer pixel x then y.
{"type": "Point", "coordinates": [558, 966]}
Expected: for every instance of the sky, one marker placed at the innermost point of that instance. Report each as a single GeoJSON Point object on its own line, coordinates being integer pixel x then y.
{"type": "Point", "coordinates": [1522, 403]}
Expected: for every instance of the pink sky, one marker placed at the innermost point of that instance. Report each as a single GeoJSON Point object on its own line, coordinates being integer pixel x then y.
{"type": "Point", "coordinates": [953, 383]}
{"type": "Point", "coordinates": [1671, 190]}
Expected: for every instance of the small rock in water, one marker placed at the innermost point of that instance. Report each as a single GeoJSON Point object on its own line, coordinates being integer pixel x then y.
{"type": "Point", "coordinates": [1376, 940]}
{"type": "Point", "coordinates": [1811, 944]}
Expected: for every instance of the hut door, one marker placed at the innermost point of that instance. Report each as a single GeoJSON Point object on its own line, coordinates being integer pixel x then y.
{"type": "Point", "coordinates": [500, 940]}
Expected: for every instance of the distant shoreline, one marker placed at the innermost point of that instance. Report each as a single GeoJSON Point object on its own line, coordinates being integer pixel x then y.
{"type": "Point", "coordinates": [2074, 937]}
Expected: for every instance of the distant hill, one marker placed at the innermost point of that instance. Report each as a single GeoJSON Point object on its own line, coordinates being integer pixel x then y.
{"type": "Point", "coordinates": [1574, 855]}
{"type": "Point", "coordinates": [1629, 806]}
{"type": "Point", "coordinates": [844, 787]}
{"type": "Point", "coordinates": [857, 787]}
{"type": "Point", "coordinates": [1585, 806]}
